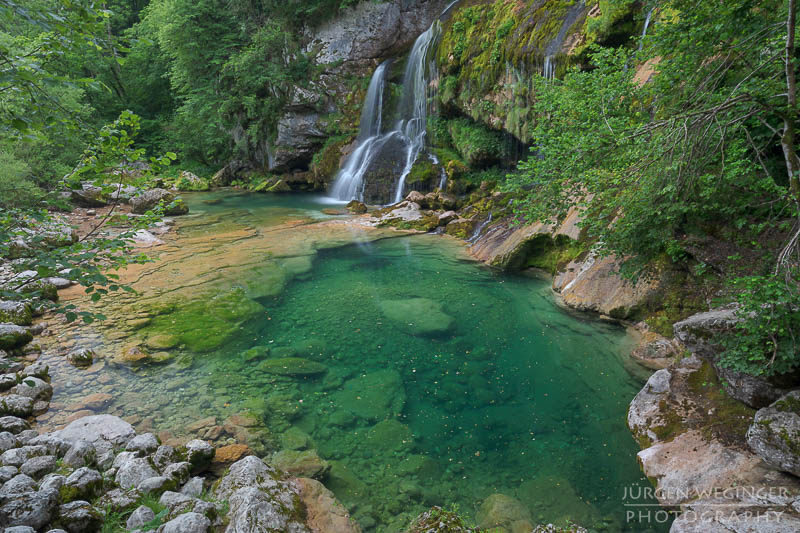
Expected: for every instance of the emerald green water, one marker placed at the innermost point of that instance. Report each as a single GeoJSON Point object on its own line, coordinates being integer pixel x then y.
{"type": "Point", "coordinates": [437, 381]}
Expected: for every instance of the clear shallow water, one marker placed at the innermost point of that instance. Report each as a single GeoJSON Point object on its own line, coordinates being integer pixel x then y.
{"type": "Point", "coordinates": [435, 380]}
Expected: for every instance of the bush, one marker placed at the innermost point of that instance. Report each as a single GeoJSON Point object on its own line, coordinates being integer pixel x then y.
{"type": "Point", "coordinates": [17, 188]}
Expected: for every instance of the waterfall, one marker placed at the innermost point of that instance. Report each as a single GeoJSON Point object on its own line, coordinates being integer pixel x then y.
{"type": "Point", "coordinates": [349, 182]}
{"type": "Point", "coordinates": [647, 20]}
{"type": "Point", "coordinates": [554, 46]}
{"type": "Point", "coordinates": [414, 103]}
{"type": "Point", "coordinates": [477, 233]}
{"type": "Point", "coordinates": [410, 128]}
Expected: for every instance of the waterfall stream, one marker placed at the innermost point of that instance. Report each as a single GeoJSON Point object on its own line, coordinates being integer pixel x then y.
{"type": "Point", "coordinates": [646, 26]}
{"type": "Point", "coordinates": [554, 47]}
{"type": "Point", "coordinates": [410, 128]}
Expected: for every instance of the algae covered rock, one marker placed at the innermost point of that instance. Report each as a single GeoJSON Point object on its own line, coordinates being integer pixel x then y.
{"type": "Point", "coordinates": [18, 313]}
{"type": "Point", "coordinates": [356, 207]}
{"type": "Point", "coordinates": [305, 463]}
{"type": "Point", "coordinates": [376, 396]}
{"type": "Point", "coordinates": [292, 366]}
{"type": "Point", "coordinates": [438, 520]}
{"type": "Point", "coordinates": [775, 433]}
{"type": "Point", "coordinates": [501, 511]}
{"type": "Point", "coordinates": [418, 316]}
{"type": "Point", "coordinates": [389, 436]}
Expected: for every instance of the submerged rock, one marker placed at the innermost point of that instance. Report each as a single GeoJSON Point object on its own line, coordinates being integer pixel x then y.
{"type": "Point", "coordinates": [301, 463]}
{"type": "Point", "coordinates": [323, 513]}
{"type": "Point", "coordinates": [292, 366]}
{"type": "Point", "coordinates": [505, 512]}
{"type": "Point", "coordinates": [375, 396]}
{"type": "Point", "coordinates": [418, 316]}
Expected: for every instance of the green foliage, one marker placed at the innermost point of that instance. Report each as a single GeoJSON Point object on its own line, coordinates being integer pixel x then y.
{"type": "Point", "coordinates": [17, 189]}
{"type": "Point", "coordinates": [767, 337]}
{"type": "Point", "coordinates": [477, 145]}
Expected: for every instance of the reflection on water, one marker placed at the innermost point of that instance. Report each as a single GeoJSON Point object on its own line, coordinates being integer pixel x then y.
{"type": "Point", "coordinates": [399, 372]}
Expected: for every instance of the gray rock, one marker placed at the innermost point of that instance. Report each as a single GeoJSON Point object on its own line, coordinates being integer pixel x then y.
{"type": "Point", "coordinates": [7, 441]}
{"type": "Point", "coordinates": [254, 510]}
{"type": "Point", "coordinates": [84, 483]}
{"type": "Point", "coordinates": [13, 424]}
{"type": "Point", "coordinates": [178, 472]}
{"type": "Point", "coordinates": [774, 434]}
{"type": "Point", "coordinates": [173, 500]}
{"type": "Point", "coordinates": [193, 488]}
{"type": "Point", "coordinates": [17, 485]}
{"type": "Point", "coordinates": [123, 458]}
{"type": "Point", "coordinates": [80, 358]}
{"type": "Point", "coordinates": [19, 529]}
{"type": "Point", "coordinates": [55, 445]}
{"type": "Point", "coordinates": [36, 370]}
{"type": "Point", "coordinates": [164, 456]}
{"type": "Point", "coordinates": [80, 517]}
{"type": "Point", "coordinates": [199, 453]}
{"type": "Point", "coordinates": [34, 388]}
{"type": "Point", "coordinates": [140, 517]}
{"type": "Point", "coordinates": [34, 509]}
{"type": "Point", "coordinates": [59, 283]}
{"type": "Point", "coordinates": [104, 432]}
{"type": "Point", "coordinates": [89, 196]}
{"type": "Point", "coordinates": [207, 509]}
{"type": "Point", "coordinates": [17, 456]}
{"type": "Point", "coordinates": [25, 437]}
{"type": "Point", "coordinates": [38, 467]}
{"type": "Point", "coordinates": [16, 405]}
{"type": "Point", "coordinates": [150, 199]}
{"type": "Point", "coordinates": [7, 472]}
{"type": "Point", "coordinates": [82, 453]}
{"type": "Point", "coordinates": [248, 472]}
{"type": "Point", "coordinates": [119, 500]}
{"type": "Point", "coordinates": [134, 471]}
{"type": "Point", "coordinates": [13, 336]}
{"type": "Point", "coordinates": [699, 332]}
{"type": "Point", "coordinates": [143, 444]}
{"type": "Point", "coordinates": [7, 381]}
{"type": "Point", "coordinates": [156, 485]}
{"type": "Point", "coordinates": [56, 531]}
{"type": "Point", "coordinates": [187, 523]}
{"type": "Point", "coordinates": [52, 482]}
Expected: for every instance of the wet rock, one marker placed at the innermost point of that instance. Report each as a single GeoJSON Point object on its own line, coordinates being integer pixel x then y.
{"type": "Point", "coordinates": [323, 513]}
{"type": "Point", "coordinates": [13, 424]}
{"type": "Point", "coordinates": [501, 511]}
{"type": "Point", "coordinates": [143, 444]}
{"type": "Point", "coordinates": [301, 463]}
{"type": "Point", "coordinates": [82, 453]}
{"type": "Point", "coordinates": [190, 523]}
{"type": "Point", "coordinates": [84, 483]}
{"type": "Point", "coordinates": [133, 471]}
{"type": "Point", "coordinates": [92, 402]}
{"type": "Point", "coordinates": [295, 439]}
{"type": "Point", "coordinates": [199, 453]}
{"type": "Point", "coordinates": [356, 207]}
{"type": "Point", "coordinates": [418, 316]}
{"type": "Point", "coordinates": [13, 336]}
{"type": "Point", "coordinates": [80, 517]}
{"type": "Point", "coordinates": [37, 467]}
{"type": "Point", "coordinates": [774, 434]}
{"type": "Point", "coordinates": [34, 388]}
{"type": "Point", "coordinates": [33, 509]}
{"type": "Point", "coordinates": [81, 358]}
{"type": "Point", "coordinates": [292, 366]}
{"type": "Point", "coordinates": [36, 370]}
{"type": "Point", "coordinates": [140, 517]}
{"type": "Point", "coordinates": [150, 199]}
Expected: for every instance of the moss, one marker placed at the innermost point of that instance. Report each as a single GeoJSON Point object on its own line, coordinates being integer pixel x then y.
{"type": "Point", "coordinates": [461, 229]}
{"type": "Point", "coordinates": [426, 223]}
{"type": "Point", "coordinates": [325, 163]}
{"type": "Point", "coordinates": [788, 404]}
{"type": "Point", "coordinates": [423, 170]}
{"type": "Point", "coordinates": [721, 417]}
{"type": "Point", "coordinates": [553, 254]}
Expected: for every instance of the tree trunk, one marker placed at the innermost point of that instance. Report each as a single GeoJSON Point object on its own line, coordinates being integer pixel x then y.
{"type": "Point", "coordinates": [788, 139]}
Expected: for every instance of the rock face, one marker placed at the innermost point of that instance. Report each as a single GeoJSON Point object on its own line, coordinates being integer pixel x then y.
{"type": "Point", "coordinates": [148, 200]}
{"type": "Point", "coordinates": [774, 434]}
{"type": "Point", "coordinates": [699, 332]}
{"type": "Point", "coordinates": [693, 439]}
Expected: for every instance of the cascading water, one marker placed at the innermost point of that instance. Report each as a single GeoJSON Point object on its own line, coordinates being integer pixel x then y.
{"type": "Point", "coordinates": [410, 128]}
{"type": "Point", "coordinates": [554, 46]}
{"type": "Point", "coordinates": [349, 184]}
{"type": "Point", "coordinates": [646, 26]}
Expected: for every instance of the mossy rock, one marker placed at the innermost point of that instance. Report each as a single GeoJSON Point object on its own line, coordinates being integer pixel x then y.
{"type": "Point", "coordinates": [18, 313]}
{"type": "Point", "coordinates": [292, 366]}
{"type": "Point", "coordinates": [462, 228]}
{"type": "Point", "coordinates": [279, 186]}
{"type": "Point", "coordinates": [163, 341]}
{"type": "Point", "coordinates": [389, 436]}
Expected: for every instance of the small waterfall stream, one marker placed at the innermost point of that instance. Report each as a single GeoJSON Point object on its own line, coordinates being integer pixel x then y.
{"type": "Point", "coordinates": [647, 21]}
{"type": "Point", "coordinates": [554, 46]}
{"type": "Point", "coordinates": [410, 128]}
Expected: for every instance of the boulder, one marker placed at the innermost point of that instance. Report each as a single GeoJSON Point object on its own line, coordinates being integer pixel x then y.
{"type": "Point", "coordinates": [356, 207]}
{"type": "Point", "coordinates": [81, 358]}
{"type": "Point", "coordinates": [52, 482]}
{"type": "Point", "coordinates": [199, 453]}
{"type": "Point", "coordinates": [80, 517]}
{"type": "Point", "coordinates": [143, 444]}
{"type": "Point", "coordinates": [253, 510]}
{"type": "Point", "coordinates": [133, 471]}
{"type": "Point", "coordinates": [103, 432]}
{"type": "Point", "coordinates": [17, 485]}
{"type": "Point", "coordinates": [13, 424]}
{"type": "Point", "coordinates": [38, 467]}
{"type": "Point", "coordinates": [34, 388]}
{"type": "Point", "coordinates": [248, 472]}
{"type": "Point", "coordinates": [191, 523]}
{"type": "Point", "coordinates": [18, 456]}
{"type": "Point", "coordinates": [17, 313]}
{"type": "Point", "coordinates": [150, 199]}
{"type": "Point", "coordinates": [774, 434]}
{"type": "Point", "coordinates": [374, 396]}
{"type": "Point", "coordinates": [81, 453]}
{"type": "Point", "coordinates": [504, 512]}
{"type": "Point", "coordinates": [89, 196]}
{"type": "Point", "coordinates": [16, 405]}
{"type": "Point", "coordinates": [140, 517]}
{"type": "Point", "coordinates": [13, 336]}
{"type": "Point", "coordinates": [32, 509]}
{"type": "Point", "coordinates": [83, 483]}
{"type": "Point", "coordinates": [193, 488]}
